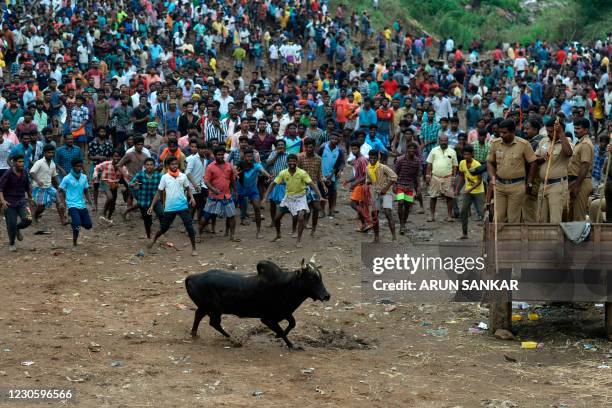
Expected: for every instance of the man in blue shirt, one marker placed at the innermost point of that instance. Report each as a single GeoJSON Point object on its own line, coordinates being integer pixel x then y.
{"type": "Point", "coordinates": [65, 155]}
{"type": "Point", "coordinates": [74, 191]}
{"type": "Point", "coordinates": [367, 115]}
{"type": "Point", "coordinates": [373, 140]}
{"type": "Point", "coordinates": [248, 172]}
{"type": "Point", "coordinates": [24, 149]}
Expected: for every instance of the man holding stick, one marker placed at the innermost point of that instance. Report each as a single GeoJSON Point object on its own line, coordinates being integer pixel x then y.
{"type": "Point", "coordinates": [554, 154]}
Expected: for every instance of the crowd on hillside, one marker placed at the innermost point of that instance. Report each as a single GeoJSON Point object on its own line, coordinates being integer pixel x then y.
{"type": "Point", "coordinates": [206, 109]}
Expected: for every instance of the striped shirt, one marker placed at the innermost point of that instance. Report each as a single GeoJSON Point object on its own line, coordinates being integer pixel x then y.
{"type": "Point", "coordinates": [279, 164]}
{"type": "Point", "coordinates": [215, 132]}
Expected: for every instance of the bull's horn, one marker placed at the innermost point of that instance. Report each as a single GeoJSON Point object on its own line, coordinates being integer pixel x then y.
{"type": "Point", "coordinates": [313, 260]}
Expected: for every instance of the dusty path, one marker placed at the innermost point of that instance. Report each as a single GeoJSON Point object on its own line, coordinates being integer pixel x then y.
{"type": "Point", "coordinates": [57, 306]}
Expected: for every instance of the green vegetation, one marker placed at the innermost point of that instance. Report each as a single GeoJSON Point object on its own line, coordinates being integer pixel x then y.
{"type": "Point", "coordinates": [493, 20]}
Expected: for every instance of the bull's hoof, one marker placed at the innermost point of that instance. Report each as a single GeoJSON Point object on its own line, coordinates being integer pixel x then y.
{"type": "Point", "coordinates": [235, 343]}
{"type": "Point", "coordinates": [194, 335]}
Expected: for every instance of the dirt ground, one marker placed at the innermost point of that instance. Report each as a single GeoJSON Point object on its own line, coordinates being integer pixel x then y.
{"type": "Point", "coordinates": [115, 327]}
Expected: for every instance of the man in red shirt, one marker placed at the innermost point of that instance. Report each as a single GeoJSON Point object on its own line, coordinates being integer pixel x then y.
{"type": "Point", "coordinates": [219, 177]}
{"type": "Point", "coordinates": [390, 85]}
{"type": "Point", "coordinates": [561, 55]}
{"type": "Point", "coordinates": [340, 106]}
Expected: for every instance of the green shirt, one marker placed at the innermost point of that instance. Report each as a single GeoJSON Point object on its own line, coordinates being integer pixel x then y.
{"type": "Point", "coordinates": [481, 152]}
{"type": "Point", "coordinates": [296, 183]}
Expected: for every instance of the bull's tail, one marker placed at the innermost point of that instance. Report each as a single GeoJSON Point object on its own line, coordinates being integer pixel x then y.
{"type": "Point", "coordinates": [190, 289]}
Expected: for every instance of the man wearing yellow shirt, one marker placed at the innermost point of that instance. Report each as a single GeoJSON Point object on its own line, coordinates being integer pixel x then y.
{"type": "Point", "coordinates": [474, 192]}
{"type": "Point", "coordinates": [295, 201]}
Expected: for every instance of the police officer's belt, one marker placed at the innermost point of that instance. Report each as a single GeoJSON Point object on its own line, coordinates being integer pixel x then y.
{"type": "Point", "coordinates": [510, 181]}
{"type": "Point", "coordinates": [574, 178]}
{"type": "Point", "coordinates": [556, 180]}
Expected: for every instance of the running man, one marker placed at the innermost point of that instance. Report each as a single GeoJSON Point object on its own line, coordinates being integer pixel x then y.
{"type": "Point", "coordinates": [14, 187]}
{"type": "Point", "coordinates": [108, 176]}
{"type": "Point", "coordinates": [44, 178]}
{"type": "Point", "coordinates": [144, 186]}
{"type": "Point", "coordinates": [178, 198]}
{"type": "Point", "coordinates": [381, 178]}
{"type": "Point", "coordinates": [74, 190]}
{"type": "Point", "coordinates": [296, 180]}
{"type": "Point", "coordinates": [248, 174]}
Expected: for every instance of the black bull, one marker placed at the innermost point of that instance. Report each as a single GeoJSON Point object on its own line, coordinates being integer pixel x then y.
{"type": "Point", "coordinates": [272, 295]}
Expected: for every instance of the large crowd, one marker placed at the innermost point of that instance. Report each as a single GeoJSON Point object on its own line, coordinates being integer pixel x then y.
{"type": "Point", "coordinates": [207, 109]}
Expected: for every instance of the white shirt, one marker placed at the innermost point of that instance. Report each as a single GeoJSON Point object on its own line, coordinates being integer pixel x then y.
{"type": "Point", "coordinates": [5, 150]}
{"type": "Point", "coordinates": [44, 172]}
{"type": "Point", "coordinates": [224, 103]}
{"type": "Point", "coordinates": [195, 167]}
{"type": "Point", "coordinates": [175, 192]}
{"type": "Point", "coordinates": [520, 64]}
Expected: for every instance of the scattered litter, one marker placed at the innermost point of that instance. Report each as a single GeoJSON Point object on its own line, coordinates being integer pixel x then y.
{"type": "Point", "coordinates": [6, 350]}
{"type": "Point", "coordinates": [510, 359]}
{"type": "Point", "coordinates": [75, 380]}
{"type": "Point", "coordinates": [424, 324]}
{"type": "Point", "coordinates": [475, 330]}
{"type": "Point", "coordinates": [599, 305]}
{"type": "Point", "coordinates": [603, 366]}
{"type": "Point", "coordinates": [256, 393]}
{"type": "Point", "coordinates": [390, 308]}
{"type": "Point", "coordinates": [319, 390]}
{"type": "Point", "coordinates": [66, 311]}
{"type": "Point", "coordinates": [307, 370]}
{"type": "Point", "coordinates": [117, 363]}
{"type": "Point", "coordinates": [520, 305]}
{"type": "Point", "coordinates": [517, 318]}
{"type": "Point", "coordinates": [179, 281]}
{"type": "Point", "coordinates": [483, 326]}
{"type": "Point", "coordinates": [533, 316]}
{"type": "Point", "coordinates": [27, 363]}
{"type": "Point", "coordinates": [504, 334]}
{"type": "Point", "coordinates": [94, 347]}
{"type": "Point", "coordinates": [590, 347]}
{"type": "Point", "coordinates": [531, 345]}
{"type": "Point", "coordinates": [439, 332]}
{"type": "Point", "coordinates": [140, 253]}
{"type": "Point", "coordinates": [494, 403]}
{"type": "Point", "coordinates": [3, 373]}
{"type": "Point", "coordinates": [180, 306]}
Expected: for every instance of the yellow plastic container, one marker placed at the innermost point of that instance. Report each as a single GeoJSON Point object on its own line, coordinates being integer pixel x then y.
{"type": "Point", "coordinates": [517, 318]}
{"type": "Point", "coordinates": [529, 344]}
{"type": "Point", "coordinates": [533, 316]}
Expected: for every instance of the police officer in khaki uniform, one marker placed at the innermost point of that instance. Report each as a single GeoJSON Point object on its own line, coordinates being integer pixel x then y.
{"type": "Point", "coordinates": [506, 167]}
{"type": "Point", "coordinates": [552, 195]}
{"type": "Point", "coordinates": [533, 136]}
{"type": "Point", "coordinates": [579, 172]}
